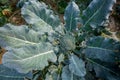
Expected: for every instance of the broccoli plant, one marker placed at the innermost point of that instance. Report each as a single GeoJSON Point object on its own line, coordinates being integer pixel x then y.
{"type": "Point", "coordinates": [47, 49]}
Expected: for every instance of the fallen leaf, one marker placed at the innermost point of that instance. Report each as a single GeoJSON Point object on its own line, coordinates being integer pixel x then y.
{"type": "Point", "coordinates": [2, 51]}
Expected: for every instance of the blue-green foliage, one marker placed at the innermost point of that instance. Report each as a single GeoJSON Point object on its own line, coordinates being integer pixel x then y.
{"type": "Point", "coordinates": [52, 49]}
{"type": "Point", "coordinates": [96, 13]}
{"type": "Point", "coordinates": [71, 16]}
{"type": "Point", "coordinates": [11, 74]}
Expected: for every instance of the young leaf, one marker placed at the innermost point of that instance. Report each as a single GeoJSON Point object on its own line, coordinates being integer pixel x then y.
{"type": "Point", "coordinates": [77, 66]}
{"type": "Point", "coordinates": [68, 41]}
{"type": "Point", "coordinates": [96, 13]}
{"type": "Point", "coordinates": [61, 58]}
{"type": "Point", "coordinates": [28, 58]}
{"type": "Point", "coordinates": [71, 16]}
{"type": "Point", "coordinates": [11, 74]}
{"type": "Point", "coordinates": [34, 11]}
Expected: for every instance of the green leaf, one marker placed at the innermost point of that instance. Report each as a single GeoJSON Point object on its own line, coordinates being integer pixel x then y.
{"type": "Point", "coordinates": [68, 75]}
{"type": "Point", "coordinates": [102, 48]}
{"type": "Point", "coordinates": [27, 46]}
{"type": "Point", "coordinates": [17, 36]}
{"type": "Point", "coordinates": [96, 13]}
{"type": "Point", "coordinates": [103, 71]}
{"type": "Point", "coordinates": [28, 58]}
{"type": "Point", "coordinates": [42, 28]}
{"type": "Point", "coordinates": [34, 11]}
{"type": "Point", "coordinates": [61, 58]}
{"type": "Point", "coordinates": [71, 16]}
{"type": "Point", "coordinates": [100, 72]}
{"type": "Point", "coordinates": [68, 41]}
{"type": "Point", "coordinates": [77, 66]}
{"type": "Point", "coordinates": [11, 74]}
{"type": "Point", "coordinates": [102, 53]}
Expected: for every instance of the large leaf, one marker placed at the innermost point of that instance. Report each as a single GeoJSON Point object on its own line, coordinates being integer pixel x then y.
{"type": "Point", "coordinates": [34, 57]}
{"type": "Point", "coordinates": [103, 49]}
{"type": "Point", "coordinates": [42, 28]}
{"type": "Point", "coordinates": [17, 36]}
{"type": "Point", "coordinates": [34, 11]}
{"type": "Point", "coordinates": [77, 66]}
{"type": "Point", "coordinates": [11, 74]}
{"type": "Point", "coordinates": [102, 53]}
{"type": "Point", "coordinates": [96, 13]}
{"type": "Point", "coordinates": [71, 16]}
{"type": "Point", "coordinates": [101, 72]}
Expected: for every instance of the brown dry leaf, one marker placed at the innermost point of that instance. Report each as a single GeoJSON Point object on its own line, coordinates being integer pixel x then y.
{"type": "Point", "coordinates": [6, 12]}
{"type": "Point", "coordinates": [16, 18]}
{"type": "Point", "coordinates": [2, 51]}
{"type": "Point", "coordinates": [114, 24]}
